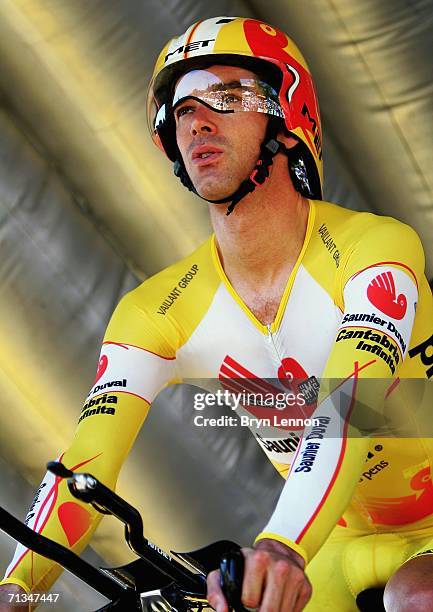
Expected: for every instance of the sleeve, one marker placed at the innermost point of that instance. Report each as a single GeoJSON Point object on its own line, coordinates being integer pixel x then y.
{"type": "Point", "coordinates": [136, 361]}
{"type": "Point", "coordinates": [379, 295]}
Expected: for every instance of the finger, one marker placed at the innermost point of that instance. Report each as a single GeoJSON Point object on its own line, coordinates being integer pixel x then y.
{"type": "Point", "coordinates": [215, 595]}
{"type": "Point", "coordinates": [303, 596]}
{"type": "Point", "coordinates": [278, 586]}
{"type": "Point", "coordinates": [297, 590]}
{"type": "Point", "coordinates": [256, 562]}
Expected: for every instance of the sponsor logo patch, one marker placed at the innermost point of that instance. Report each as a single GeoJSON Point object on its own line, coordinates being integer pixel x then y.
{"type": "Point", "coordinates": [377, 344]}
{"type": "Point", "coordinates": [383, 295]}
{"type": "Point", "coordinates": [373, 471]}
{"type": "Point", "coordinates": [329, 243]}
{"type": "Point", "coordinates": [382, 299]}
{"type": "Point", "coordinates": [102, 366]}
{"type": "Point", "coordinates": [309, 454]}
{"type": "Point", "coordinates": [98, 406]}
{"type": "Point", "coordinates": [288, 445]}
{"type": "Point", "coordinates": [421, 351]}
{"type": "Point", "coordinates": [177, 290]}
{"type": "Point", "coordinates": [196, 45]}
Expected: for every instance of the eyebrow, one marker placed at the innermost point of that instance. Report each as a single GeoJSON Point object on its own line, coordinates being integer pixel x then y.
{"type": "Point", "coordinates": [230, 84]}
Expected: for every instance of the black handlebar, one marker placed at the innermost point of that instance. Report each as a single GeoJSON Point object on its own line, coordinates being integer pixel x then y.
{"type": "Point", "coordinates": [87, 488]}
{"type": "Point", "coordinates": [156, 578]}
{"type": "Point", "coordinates": [232, 572]}
{"type": "Point", "coordinates": [91, 575]}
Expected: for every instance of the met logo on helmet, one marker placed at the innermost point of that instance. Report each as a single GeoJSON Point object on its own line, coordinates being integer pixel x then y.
{"type": "Point", "coordinates": [192, 46]}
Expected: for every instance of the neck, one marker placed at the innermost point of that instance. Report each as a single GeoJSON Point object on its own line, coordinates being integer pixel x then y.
{"type": "Point", "coordinates": [262, 238]}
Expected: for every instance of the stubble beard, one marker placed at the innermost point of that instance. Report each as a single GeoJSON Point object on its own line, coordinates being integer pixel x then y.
{"type": "Point", "coordinates": [218, 185]}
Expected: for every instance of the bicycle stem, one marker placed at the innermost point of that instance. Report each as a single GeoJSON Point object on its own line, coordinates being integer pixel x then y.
{"type": "Point", "coordinates": [87, 488]}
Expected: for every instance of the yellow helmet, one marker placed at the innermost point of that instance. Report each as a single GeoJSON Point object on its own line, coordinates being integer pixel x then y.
{"type": "Point", "coordinates": [266, 51]}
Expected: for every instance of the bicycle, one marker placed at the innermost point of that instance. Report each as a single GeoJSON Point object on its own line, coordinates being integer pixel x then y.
{"type": "Point", "coordinates": [156, 581]}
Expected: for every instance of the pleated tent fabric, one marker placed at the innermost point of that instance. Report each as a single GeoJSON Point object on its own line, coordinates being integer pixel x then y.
{"type": "Point", "coordinates": [89, 208]}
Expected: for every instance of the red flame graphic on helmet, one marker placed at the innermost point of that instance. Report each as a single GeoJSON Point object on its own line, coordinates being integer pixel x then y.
{"type": "Point", "coordinates": [382, 294]}
{"type": "Point", "coordinates": [266, 41]}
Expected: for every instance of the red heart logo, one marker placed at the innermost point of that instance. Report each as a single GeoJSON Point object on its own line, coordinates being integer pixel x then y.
{"type": "Point", "coordinates": [102, 366]}
{"type": "Point", "coordinates": [75, 521]}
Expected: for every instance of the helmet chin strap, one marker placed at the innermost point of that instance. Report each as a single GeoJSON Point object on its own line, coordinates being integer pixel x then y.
{"type": "Point", "coordinates": [269, 148]}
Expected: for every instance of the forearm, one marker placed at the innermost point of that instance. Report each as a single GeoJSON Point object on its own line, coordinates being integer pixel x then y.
{"type": "Point", "coordinates": [56, 515]}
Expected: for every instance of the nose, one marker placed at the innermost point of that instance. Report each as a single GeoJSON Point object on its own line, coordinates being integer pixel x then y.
{"type": "Point", "coordinates": [202, 121]}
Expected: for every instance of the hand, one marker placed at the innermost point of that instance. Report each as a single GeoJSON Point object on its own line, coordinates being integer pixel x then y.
{"type": "Point", "coordinates": [274, 580]}
{"type": "Point", "coordinates": [6, 605]}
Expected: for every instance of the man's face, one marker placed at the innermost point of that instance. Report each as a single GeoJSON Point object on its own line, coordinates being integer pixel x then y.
{"type": "Point", "coordinates": [219, 150]}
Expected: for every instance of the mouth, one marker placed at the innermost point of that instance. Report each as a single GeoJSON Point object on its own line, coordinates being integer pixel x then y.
{"type": "Point", "coordinates": [205, 155]}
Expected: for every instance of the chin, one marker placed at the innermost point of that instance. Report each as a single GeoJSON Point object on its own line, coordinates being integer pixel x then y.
{"type": "Point", "coordinates": [213, 196]}
{"type": "Point", "coordinates": [213, 191]}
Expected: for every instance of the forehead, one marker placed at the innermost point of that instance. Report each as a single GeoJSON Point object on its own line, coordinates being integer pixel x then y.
{"type": "Point", "coordinates": [231, 72]}
{"type": "Point", "coordinates": [226, 73]}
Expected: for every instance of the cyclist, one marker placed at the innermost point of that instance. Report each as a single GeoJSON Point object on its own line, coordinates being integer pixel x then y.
{"type": "Point", "coordinates": [289, 287]}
